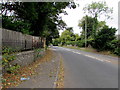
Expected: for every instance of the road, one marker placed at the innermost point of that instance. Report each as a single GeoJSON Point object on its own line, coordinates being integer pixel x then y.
{"type": "Point", "coordinates": [88, 70]}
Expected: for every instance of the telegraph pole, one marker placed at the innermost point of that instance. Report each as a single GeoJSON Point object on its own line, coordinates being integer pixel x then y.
{"type": "Point", "coordinates": [86, 31]}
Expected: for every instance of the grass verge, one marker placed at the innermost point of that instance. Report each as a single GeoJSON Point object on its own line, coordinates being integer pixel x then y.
{"type": "Point", "coordinates": [92, 50]}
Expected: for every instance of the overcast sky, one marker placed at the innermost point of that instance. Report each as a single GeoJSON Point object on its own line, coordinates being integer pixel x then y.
{"type": "Point", "coordinates": [74, 15]}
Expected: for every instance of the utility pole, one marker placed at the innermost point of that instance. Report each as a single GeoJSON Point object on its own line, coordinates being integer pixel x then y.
{"type": "Point", "coordinates": [86, 31]}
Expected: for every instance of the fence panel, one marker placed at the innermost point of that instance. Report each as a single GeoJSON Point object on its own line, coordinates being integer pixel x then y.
{"type": "Point", "coordinates": [20, 41]}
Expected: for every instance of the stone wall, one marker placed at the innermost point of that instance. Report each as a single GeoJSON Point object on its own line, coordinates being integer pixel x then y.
{"type": "Point", "coordinates": [27, 57]}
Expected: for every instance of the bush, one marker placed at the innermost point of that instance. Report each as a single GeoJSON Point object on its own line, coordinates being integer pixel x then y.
{"type": "Point", "coordinates": [56, 41]}
{"type": "Point", "coordinates": [73, 43]}
{"type": "Point", "coordinates": [13, 68]}
{"type": "Point", "coordinates": [37, 52]}
{"type": "Point", "coordinates": [103, 39]}
{"type": "Point", "coordinates": [117, 51]}
{"type": "Point", "coordinates": [8, 55]}
{"type": "Point", "coordinates": [111, 46]}
{"type": "Point", "coordinates": [81, 43]}
{"type": "Point", "coordinates": [117, 48]}
{"type": "Point", "coordinates": [90, 42]}
{"type": "Point", "coordinates": [68, 43]}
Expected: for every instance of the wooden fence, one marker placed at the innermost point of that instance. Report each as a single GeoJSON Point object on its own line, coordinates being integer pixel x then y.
{"type": "Point", "coordinates": [21, 41]}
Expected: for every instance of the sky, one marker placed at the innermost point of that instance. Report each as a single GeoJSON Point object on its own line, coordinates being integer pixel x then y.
{"type": "Point", "coordinates": [74, 15]}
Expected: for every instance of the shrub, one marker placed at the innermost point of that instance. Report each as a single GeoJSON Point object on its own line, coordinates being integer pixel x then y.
{"type": "Point", "coordinates": [90, 42]}
{"type": "Point", "coordinates": [103, 38]}
{"type": "Point", "coordinates": [68, 43]}
{"type": "Point", "coordinates": [56, 41]}
{"type": "Point", "coordinates": [73, 43]}
{"type": "Point", "coordinates": [8, 55]}
{"type": "Point", "coordinates": [117, 51]}
{"type": "Point", "coordinates": [111, 46]}
{"type": "Point", "coordinates": [117, 48]}
{"type": "Point", "coordinates": [12, 69]}
{"type": "Point", "coordinates": [81, 43]}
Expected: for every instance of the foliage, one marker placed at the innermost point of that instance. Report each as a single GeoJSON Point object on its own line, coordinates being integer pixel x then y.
{"type": "Point", "coordinates": [117, 51]}
{"type": "Point", "coordinates": [77, 37]}
{"type": "Point", "coordinates": [19, 26]}
{"type": "Point", "coordinates": [12, 69]}
{"type": "Point", "coordinates": [8, 55]}
{"type": "Point", "coordinates": [115, 48]}
{"type": "Point", "coordinates": [98, 8]}
{"type": "Point", "coordinates": [89, 21]}
{"type": "Point", "coordinates": [112, 45]}
{"type": "Point", "coordinates": [103, 38]}
{"type": "Point", "coordinates": [37, 53]}
{"type": "Point", "coordinates": [100, 25]}
{"type": "Point", "coordinates": [81, 43]}
{"type": "Point", "coordinates": [35, 18]}
{"type": "Point", "coordinates": [66, 36]}
{"type": "Point", "coordinates": [56, 42]}
{"type": "Point", "coordinates": [73, 43]}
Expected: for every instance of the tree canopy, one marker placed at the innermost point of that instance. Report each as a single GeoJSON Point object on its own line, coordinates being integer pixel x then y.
{"type": "Point", "coordinates": [40, 15]}
{"type": "Point", "coordinates": [96, 9]}
{"type": "Point", "coordinates": [90, 22]}
{"type": "Point", "coordinates": [35, 18]}
{"type": "Point", "coordinates": [67, 36]}
{"type": "Point", "coordinates": [104, 38]}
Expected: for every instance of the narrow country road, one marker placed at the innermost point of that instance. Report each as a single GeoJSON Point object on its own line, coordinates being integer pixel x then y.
{"type": "Point", "coordinates": [88, 70]}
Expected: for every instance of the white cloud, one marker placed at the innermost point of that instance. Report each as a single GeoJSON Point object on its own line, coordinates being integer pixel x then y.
{"type": "Point", "coordinates": [74, 15]}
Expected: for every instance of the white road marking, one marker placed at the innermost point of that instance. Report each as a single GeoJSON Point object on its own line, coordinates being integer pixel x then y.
{"type": "Point", "coordinates": [76, 52]}
{"type": "Point", "coordinates": [107, 61]}
{"type": "Point", "coordinates": [92, 57]}
{"type": "Point", "coordinates": [86, 55]}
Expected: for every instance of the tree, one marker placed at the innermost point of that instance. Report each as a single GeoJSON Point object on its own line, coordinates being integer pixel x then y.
{"type": "Point", "coordinates": [42, 18]}
{"type": "Point", "coordinates": [56, 42]}
{"type": "Point", "coordinates": [96, 9]}
{"type": "Point", "coordinates": [38, 13]}
{"type": "Point", "coordinates": [18, 25]}
{"type": "Point", "coordinates": [103, 38]}
{"type": "Point", "coordinates": [100, 25]}
{"type": "Point", "coordinates": [77, 37]}
{"type": "Point", "coordinates": [67, 36]}
{"type": "Point", "coordinates": [70, 29]}
{"type": "Point", "coordinates": [90, 22]}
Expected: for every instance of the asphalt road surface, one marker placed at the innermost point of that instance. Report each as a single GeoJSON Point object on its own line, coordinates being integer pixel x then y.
{"type": "Point", "coordinates": [88, 70]}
